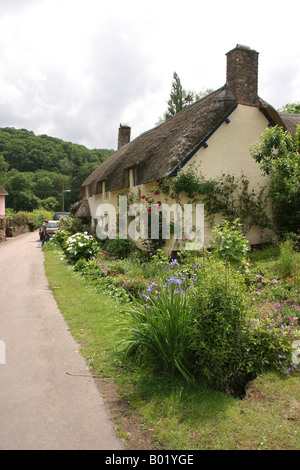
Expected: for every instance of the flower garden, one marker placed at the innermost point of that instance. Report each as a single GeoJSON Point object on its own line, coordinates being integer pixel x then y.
{"type": "Point", "coordinates": [220, 317]}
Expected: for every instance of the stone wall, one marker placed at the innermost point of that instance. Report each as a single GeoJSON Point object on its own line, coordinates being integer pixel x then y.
{"type": "Point", "coordinates": [15, 230]}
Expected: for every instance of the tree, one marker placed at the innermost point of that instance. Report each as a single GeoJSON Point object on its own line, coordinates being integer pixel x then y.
{"type": "Point", "coordinates": [4, 166]}
{"type": "Point", "coordinates": [278, 155]}
{"type": "Point", "coordinates": [43, 187]}
{"type": "Point", "coordinates": [180, 98]}
{"type": "Point", "coordinates": [26, 159]}
{"type": "Point", "coordinates": [25, 201]}
{"type": "Point", "coordinates": [292, 108]}
{"type": "Point", "coordinates": [51, 204]}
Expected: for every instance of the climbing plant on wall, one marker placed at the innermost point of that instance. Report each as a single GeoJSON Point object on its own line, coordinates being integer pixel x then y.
{"type": "Point", "coordinates": [229, 196]}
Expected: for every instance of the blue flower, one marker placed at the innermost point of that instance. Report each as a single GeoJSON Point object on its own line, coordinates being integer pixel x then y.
{"type": "Point", "coordinates": [145, 297]}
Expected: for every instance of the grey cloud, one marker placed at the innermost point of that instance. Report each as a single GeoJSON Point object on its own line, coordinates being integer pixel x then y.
{"type": "Point", "coordinates": [117, 76]}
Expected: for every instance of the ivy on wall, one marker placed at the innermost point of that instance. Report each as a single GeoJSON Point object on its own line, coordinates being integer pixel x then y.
{"type": "Point", "coordinates": [228, 196]}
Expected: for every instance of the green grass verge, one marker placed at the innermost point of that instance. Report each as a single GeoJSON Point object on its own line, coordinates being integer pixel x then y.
{"type": "Point", "coordinates": [181, 416]}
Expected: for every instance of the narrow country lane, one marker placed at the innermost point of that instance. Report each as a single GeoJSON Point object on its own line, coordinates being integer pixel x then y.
{"type": "Point", "coordinates": [42, 407]}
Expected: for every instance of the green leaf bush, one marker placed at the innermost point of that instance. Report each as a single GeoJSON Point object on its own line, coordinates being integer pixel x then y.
{"type": "Point", "coordinates": [80, 246]}
{"type": "Point", "coordinates": [119, 247]}
{"type": "Point", "coordinates": [229, 242]}
{"type": "Point", "coordinates": [218, 306]}
{"type": "Point", "coordinates": [60, 238]}
{"type": "Point", "coordinates": [266, 345]}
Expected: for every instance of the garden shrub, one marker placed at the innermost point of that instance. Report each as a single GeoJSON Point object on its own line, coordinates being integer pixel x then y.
{"type": "Point", "coordinates": [218, 307]}
{"type": "Point", "coordinates": [295, 237]}
{"type": "Point", "coordinates": [229, 242]}
{"type": "Point", "coordinates": [71, 224]}
{"type": "Point", "coordinates": [91, 269]}
{"type": "Point", "coordinates": [231, 344]}
{"type": "Point", "coordinates": [60, 238]}
{"type": "Point", "coordinates": [119, 247]}
{"type": "Point", "coordinates": [81, 245]}
{"type": "Point", "coordinates": [80, 265]}
{"type": "Point", "coordinates": [135, 286]}
{"type": "Point", "coordinates": [267, 345]}
{"type": "Point", "coordinates": [32, 220]}
{"type": "Point", "coordinates": [36, 218]}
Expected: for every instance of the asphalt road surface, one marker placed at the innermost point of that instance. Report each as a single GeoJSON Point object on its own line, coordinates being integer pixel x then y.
{"type": "Point", "coordinates": [41, 406]}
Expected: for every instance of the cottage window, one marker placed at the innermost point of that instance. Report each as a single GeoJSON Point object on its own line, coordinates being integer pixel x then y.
{"type": "Point", "coordinates": [134, 174]}
{"type": "Point", "coordinates": [132, 177]}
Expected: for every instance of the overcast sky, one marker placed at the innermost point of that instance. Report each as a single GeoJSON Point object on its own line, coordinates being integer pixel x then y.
{"type": "Point", "coordinates": [76, 69]}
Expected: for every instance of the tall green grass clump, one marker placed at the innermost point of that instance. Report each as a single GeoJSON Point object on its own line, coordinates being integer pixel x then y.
{"type": "Point", "coordinates": [286, 258]}
{"type": "Point", "coordinates": [158, 330]}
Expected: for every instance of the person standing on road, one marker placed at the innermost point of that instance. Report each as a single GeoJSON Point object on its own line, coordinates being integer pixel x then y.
{"type": "Point", "coordinates": [44, 233]}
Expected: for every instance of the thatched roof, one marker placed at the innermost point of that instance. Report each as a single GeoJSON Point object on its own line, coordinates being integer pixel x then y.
{"type": "Point", "coordinates": [161, 151]}
{"type": "Point", "coordinates": [2, 191]}
{"type": "Point", "coordinates": [292, 121]}
{"type": "Point", "coordinates": [83, 210]}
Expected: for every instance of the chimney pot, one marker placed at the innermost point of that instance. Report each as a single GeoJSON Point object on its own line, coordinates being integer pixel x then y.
{"type": "Point", "coordinates": [124, 135]}
{"type": "Point", "coordinates": [242, 74]}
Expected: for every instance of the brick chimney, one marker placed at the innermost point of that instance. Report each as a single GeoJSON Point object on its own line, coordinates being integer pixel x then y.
{"type": "Point", "coordinates": [124, 135]}
{"type": "Point", "coordinates": [242, 74]}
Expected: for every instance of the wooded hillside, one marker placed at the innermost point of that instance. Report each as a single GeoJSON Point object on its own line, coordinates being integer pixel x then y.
{"type": "Point", "coordinates": [43, 171]}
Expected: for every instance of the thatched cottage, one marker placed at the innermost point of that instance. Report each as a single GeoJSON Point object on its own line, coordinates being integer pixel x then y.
{"type": "Point", "coordinates": [211, 136]}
